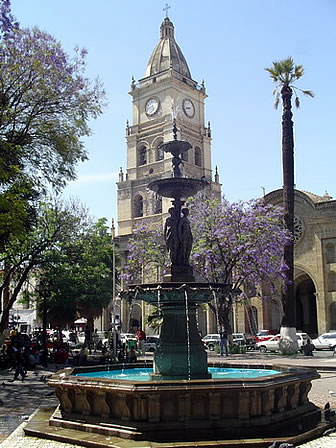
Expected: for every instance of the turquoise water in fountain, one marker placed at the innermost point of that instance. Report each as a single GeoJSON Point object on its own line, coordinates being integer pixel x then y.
{"type": "Point", "coordinates": [144, 374]}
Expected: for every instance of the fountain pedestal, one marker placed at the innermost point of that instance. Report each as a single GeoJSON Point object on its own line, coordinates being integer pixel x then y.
{"type": "Point", "coordinates": [179, 274]}
{"type": "Point", "coordinates": [181, 353]}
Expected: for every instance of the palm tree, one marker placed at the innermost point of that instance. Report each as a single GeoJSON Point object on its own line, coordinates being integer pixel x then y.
{"type": "Point", "coordinates": [284, 73]}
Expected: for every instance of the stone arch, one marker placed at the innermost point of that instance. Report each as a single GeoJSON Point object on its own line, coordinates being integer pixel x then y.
{"type": "Point", "coordinates": [330, 253]}
{"type": "Point", "coordinates": [306, 306]}
{"type": "Point", "coordinates": [198, 156]}
{"type": "Point", "coordinates": [138, 206]}
{"type": "Point", "coordinates": [142, 155]}
{"type": "Point", "coordinates": [331, 281]}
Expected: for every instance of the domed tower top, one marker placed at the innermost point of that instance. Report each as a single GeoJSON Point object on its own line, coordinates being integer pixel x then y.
{"type": "Point", "coordinates": [167, 54]}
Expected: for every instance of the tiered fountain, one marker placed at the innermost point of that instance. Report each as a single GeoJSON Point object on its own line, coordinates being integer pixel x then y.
{"type": "Point", "coordinates": [181, 402]}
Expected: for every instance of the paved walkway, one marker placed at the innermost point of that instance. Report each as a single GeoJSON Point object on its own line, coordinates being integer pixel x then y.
{"type": "Point", "coordinates": [20, 399]}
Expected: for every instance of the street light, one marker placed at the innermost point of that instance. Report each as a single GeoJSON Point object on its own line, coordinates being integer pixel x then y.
{"type": "Point", "coordinates": [113, 290]}
{"type": "Point", "coordinates": [44, 292]}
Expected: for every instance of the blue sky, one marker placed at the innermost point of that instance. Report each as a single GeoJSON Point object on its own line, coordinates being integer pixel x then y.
{"type": "Point", "coordinates": [226, 43]}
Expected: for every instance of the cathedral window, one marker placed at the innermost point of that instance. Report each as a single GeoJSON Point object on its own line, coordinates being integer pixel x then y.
{"type": "Point", "coordinates": [157, 204]}
{"type": "Point", "coordinates": [331, 281]}
{"type": "Point", "coordinates": [138, 206]}
{"type": "Point", "coordinates": [159, 152]}
{"type": "Point", "coordinates": [198, 156]}
{"type": "Point", "coordinates": [330, 253]}
{"type": "Point", "coordinates": [142, 155]}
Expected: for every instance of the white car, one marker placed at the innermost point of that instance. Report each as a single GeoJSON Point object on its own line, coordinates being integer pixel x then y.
{"type": "Point", "coordinates": [326, 341]}
{"type": "Point", "coordinates": [272, 345]}
{"type": "Point", "coordinates": [151, 343]}
{"type": "Point", "coordinates": [211, 341]}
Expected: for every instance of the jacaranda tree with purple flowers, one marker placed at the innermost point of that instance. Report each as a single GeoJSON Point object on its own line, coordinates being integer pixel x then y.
{"type": "Point", "coordinates": [239, 243]}
{"type": "Point", "coordinates": [147, 257]}
{"type": "Point", "coordinates": [45, 105]}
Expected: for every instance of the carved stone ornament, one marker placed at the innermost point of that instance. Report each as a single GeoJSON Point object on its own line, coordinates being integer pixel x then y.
{"type": "Point", "coordinates": [298, 229]}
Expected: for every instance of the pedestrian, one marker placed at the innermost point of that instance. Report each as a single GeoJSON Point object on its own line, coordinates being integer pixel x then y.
{"type": "Point", "coordinates": [223, 342]}
{"type": "Point", "coordinates": [87, 340]}
{"type": "Point", "coordinates": [131, 355]}
{"type": "Point", "coordinates": [141, 337]}
{"type": "Point", "coordinates": [95, 340]}
{"type": "Point", "coordinates": [308, 348]}
{"type": "Point", "coordinates": [122, 356]}
{"type": "Point", "coordinates": [19, 363]}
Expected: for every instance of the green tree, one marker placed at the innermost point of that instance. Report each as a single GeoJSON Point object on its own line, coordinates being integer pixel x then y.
{"type": "Point", "coordinates": [285, 73]}
{"type": "Point", "coordinates": [80, 276]}
{"type": "Point", "coordinates": [55, 223]}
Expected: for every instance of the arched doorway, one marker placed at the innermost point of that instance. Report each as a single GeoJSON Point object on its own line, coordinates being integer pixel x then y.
{"type": "Point", "coordinates": [306, 316]}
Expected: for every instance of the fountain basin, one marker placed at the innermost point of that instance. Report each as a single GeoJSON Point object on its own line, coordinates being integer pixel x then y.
{"type": "Point", "coordinates": [177, 187]}
{"type": "Point", "coordinates": [180, 354]}
{"type": "Point", "coordinates": [186, 409]}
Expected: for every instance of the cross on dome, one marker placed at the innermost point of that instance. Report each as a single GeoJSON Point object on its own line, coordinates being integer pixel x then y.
{"type": "Point", "coordinates": [166, 8]}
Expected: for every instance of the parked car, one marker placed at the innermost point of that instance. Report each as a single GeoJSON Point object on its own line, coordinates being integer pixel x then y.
{"type": "Point", "coordinates": [211, 341]}
{"type": "Point", "coordinates": [263, 335]}
{"type": "Point", "coordinates": [129, 340]}
{"type": "Point", "coordinates": [326, 341]}
{"type": "Point", "coordinates": [272, 345]}
{"type": "Point", "coordinates": [71, 338]}
{"type": "Point", "coordinates": [151, 343]}
{"type": "Point", "coordinates": [250, 341]}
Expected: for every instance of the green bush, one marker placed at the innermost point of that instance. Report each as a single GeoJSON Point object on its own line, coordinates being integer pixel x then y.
{"type": "Point", "coordinates": [236, 349]}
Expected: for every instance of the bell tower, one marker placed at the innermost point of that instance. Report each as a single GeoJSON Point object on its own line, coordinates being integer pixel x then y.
{"type": "Point", "coordinates": [167, 92]}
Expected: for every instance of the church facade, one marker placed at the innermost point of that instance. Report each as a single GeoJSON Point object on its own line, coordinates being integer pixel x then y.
{"type": "Point", "coordinates": [314, 271]}
{"type": "Point", "coordinates": [168, 92]}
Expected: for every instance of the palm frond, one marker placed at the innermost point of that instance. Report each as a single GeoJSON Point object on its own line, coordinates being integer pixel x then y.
{"type": "Point", "coordinates": [298, 71]}
{"type": "Point", "coordinates": [285, 73]}
{"type": "Point", "coordinates": [308, 93]}
{"type": "Point", "coordinates": [277, 100]}
{"type": "Point", "coordinates": [274, 75]}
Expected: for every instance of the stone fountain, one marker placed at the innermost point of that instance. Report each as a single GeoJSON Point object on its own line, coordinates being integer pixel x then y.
{"type": "Point", "coordinates": [182, 402]}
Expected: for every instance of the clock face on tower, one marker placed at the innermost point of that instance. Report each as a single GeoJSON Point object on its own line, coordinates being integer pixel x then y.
{"type": "Point", "coordinates": [152, 106]}
{"type": "Point", "coordinates": [188, 108]}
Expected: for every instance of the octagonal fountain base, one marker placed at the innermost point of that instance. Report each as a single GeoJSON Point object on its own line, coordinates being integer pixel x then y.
{"type": "Point", "coordinates": [186, 410]}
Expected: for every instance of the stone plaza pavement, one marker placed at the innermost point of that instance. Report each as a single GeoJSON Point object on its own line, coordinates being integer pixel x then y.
{"type": "Point", "coordinates": [19, 400]}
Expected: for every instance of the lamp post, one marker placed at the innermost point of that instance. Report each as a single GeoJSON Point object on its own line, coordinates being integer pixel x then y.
{"type": "Point", "coordinates": [44, 293]}
{"type": "Point", "coordinates": [113, 290]}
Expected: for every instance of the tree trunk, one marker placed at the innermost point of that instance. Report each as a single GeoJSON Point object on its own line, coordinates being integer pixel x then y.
{"type": "Point", "coordinates": [288, 323]}
{"type": "Point", "coordinates": [9, 299]}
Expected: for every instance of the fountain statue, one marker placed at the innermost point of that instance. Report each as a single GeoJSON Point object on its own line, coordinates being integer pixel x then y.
{"type": "Point", "coordinates": [181, 402]}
